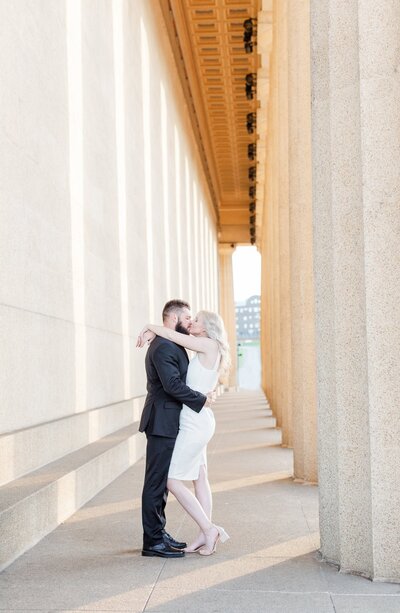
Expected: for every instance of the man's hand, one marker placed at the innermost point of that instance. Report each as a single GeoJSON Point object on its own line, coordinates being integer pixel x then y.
{"type": "Point", "coordinates": [211, 398]}
{"type": "Point", "coordinates": [145, 336]}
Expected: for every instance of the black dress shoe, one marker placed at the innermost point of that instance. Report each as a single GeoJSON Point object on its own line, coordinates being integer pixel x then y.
{"type": "Point", "coordinates": [169, 540]}
{"type": "Point", "coordinates": [162, 550]}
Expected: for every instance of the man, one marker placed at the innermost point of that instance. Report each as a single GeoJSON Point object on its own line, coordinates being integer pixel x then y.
{"type": "Point", "coordinates": [166, 368]}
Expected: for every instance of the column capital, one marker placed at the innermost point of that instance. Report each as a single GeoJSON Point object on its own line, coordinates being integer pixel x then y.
{"type": "Point", "coordinates": [226, 248]}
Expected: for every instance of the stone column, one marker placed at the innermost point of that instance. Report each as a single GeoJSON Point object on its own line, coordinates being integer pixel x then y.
{"type": "Point", "coordinates": [301, 297]}
{"type": "Point", "coordinates": [275, 232]}
{"type": "Point", "coordinates": [380, 135]}
{"type": "Point", "coordinates": [283, 314]}
{"type": "Point", "coordinates": [227, 303]}
{"type": "Point", "coordinates": [264, 43]}
{"type": "Point", "coordinates": [356, 208]}
{"type": "Point", "coordinates": [267, 250]}
{"type": "Point", "coordinates": [266, 311]}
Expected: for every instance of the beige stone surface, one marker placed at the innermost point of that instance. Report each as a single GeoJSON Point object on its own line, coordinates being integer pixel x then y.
{"type": "Point", "coordinates": [105, 212]}
{"type": "Point", "coordinates": [324, 282]}
{"type": "Point", "coordinates": [356, 220]}
{"type": "Point", "coordinates": [36, 504]}
{"type": "Point", "coordinates": [348, 256]}
{"type": "Point", "coordinates": [372, 604]}
{"type": "Point", "coordinates": [380, 125]}
{"type": "Point", "coordinates": [105, 216]}
{"type": "Point", "coordinates": [283, 314]}
{"type": "Point", "coordinates": [286, 244]}
{"type": "Point", "coordinates": [302, 354]}
{"type": "Point", "coordinates": [274, 234]}
{"type": "Point", "coordinates": [227, 309]}
{"type": "Point", "coordinates": [92, 562]}
{"type": "Point", "coordinates": [268, 250]}
{"type": "Point", "coordinates": [30, 448]}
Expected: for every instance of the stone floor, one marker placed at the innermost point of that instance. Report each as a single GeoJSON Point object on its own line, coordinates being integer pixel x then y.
{"type": "Point", "coordinates": [271, 563]}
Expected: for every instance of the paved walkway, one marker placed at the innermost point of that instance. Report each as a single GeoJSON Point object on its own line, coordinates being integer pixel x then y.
{"type": "Point", "coordinates": [270, 564]}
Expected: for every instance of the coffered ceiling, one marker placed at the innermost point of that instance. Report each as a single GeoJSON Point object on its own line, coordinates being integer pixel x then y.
{"type": "Point", "coordinates": [207, 41]}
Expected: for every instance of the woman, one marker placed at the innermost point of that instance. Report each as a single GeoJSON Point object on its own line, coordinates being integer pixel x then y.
{"type": "Point", "coordinates": [189, 459]}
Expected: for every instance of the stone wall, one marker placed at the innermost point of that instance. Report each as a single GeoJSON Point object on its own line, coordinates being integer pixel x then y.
{"type": "Point", "coordinates": [105, 215]}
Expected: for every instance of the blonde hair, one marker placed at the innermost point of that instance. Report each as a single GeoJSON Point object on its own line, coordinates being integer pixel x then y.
{"type": "Point", "coordinates": [215, 329]}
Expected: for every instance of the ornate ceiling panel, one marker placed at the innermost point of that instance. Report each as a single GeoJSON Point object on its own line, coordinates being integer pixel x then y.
{"type": "Point", "coordinates": [207, 39]}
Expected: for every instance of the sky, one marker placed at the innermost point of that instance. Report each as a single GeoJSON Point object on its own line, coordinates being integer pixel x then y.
{"type": "Point", "coordinates": [246, 273]}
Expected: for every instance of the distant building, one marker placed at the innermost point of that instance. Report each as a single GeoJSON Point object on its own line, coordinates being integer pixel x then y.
{"type": "Point", "coordinates": [248, 318]}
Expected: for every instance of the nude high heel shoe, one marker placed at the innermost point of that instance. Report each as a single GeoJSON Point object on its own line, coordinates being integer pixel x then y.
{"type": "Point", "coordinates": [221, 536]}
{"type": "Point", "coordinates": [194, 550]}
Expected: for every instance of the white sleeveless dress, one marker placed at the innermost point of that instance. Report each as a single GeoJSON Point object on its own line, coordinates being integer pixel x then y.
{"type": "Point", "coordinates": [195, 429]}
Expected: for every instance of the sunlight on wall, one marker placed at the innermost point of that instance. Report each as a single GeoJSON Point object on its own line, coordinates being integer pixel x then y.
{"type": "Point", "coordinates": [215, 284]}
{"type": "Point", "coordinates": [203, 281]}
{"type": "Point", "coordinates": [118, 40]}
{"type": "Point", "coordinates": [164, 151]}
{"type": "Point", "coordinates": [7, 453]}
{"type": "Point", "coordinates": [213, 273]}
{"type": "Point", "coordinates": [207, 240]}
{"type": "Point", "coordinates": [178, 203]}
{"type": "Point", "coordinates": [195, 255]}
{"type": "Point", "coordinates": [66, 496]}
{"type": "Point", "coordinates": [189, 238]}
{"type": "Point", "coordinates": [145, 65]}
{"type": "Point", "coordinates": [211, 269]}
{"type": "Point", "coordinates": [75, 110]}
{"type": "Point", "coordinates": [93, 425]}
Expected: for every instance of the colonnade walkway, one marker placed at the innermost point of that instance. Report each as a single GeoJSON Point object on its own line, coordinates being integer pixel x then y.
{"type": "Point", "coordinates": [92, 562]}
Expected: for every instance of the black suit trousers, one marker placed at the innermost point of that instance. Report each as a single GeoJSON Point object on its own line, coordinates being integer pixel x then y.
{"type": "Point", "coordinates": [154, 496]}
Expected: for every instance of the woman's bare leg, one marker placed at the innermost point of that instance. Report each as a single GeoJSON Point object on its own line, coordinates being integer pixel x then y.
{"type": "Point", "coordinates": [203, 494]}
{"type": "Point", "coordinates": [193, 507]}
{"type": "Point", "coordinates": [202, 491]}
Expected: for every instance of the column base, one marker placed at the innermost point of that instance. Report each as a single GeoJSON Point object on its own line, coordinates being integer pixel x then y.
{"type": "Point", "coordinates": [356, 573]}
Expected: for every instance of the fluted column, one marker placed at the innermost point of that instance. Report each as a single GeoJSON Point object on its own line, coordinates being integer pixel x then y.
{"type": "Point", "coordinates": [283, 314]}
{"type": "Point", "coordinates": [275, 244]}
{"type": "Point", "coordinates": [301, 297]}
{"type": "Point", "coordinates": [227, 303]}
{"type": "Point", "coordinates": [268, 246]}
{"type": "Point", "coordinates": [356, 208]}
{"type": "Point", "coordinates": [273, 231]}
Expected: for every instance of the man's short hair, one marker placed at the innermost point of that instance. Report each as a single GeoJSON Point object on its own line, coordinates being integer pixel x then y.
{"type": "Point", "coordinates": [174, 306]}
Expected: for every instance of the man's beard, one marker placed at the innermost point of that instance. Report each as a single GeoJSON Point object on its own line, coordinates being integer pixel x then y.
{"type": "Point", "coordinates": [181, 329]}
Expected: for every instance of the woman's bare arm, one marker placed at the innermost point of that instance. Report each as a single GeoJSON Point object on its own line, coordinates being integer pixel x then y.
{"type": "Point", "coordinates": [146, 336]}
{"type": "Point", "coordinates": [200, 344]}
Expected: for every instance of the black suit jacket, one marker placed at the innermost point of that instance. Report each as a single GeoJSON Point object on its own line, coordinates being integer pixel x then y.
{"type": "Point", "coordinates": [166, 368]}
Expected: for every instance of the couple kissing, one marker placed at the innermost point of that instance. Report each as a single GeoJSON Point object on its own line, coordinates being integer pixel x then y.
{"type": "Point", "coordinates": [178, 422]}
